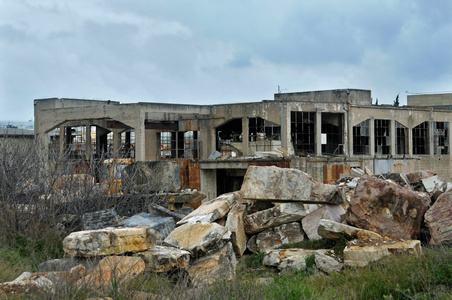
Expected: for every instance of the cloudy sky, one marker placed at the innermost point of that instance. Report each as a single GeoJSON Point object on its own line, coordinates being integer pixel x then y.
{"type": "Point", "coordinates": [206, 52]}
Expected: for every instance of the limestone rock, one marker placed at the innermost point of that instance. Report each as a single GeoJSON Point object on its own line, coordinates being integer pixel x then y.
{"type": "Point", "coordinates": [287, 259]}
{"type": "Point", "coordinates": [236, 226]}
{"type": "Point", "coordinates": [334, 231]}
{"type": "Point", "coordinates": [429, 183]}
{"type": "Point", "coordinates": [388, 208]}
{"type": "Point", "coordinates": [164, 212]}
{"type": "Point", "coordinates": [199, 239]}
{"type": "Point", "coordinates": [357, 256]}
{"type": "Point", "coordinates": [26, 282]}
{"type": "Point", "coordinates": [108, 241]}
{"type": "Point", "coordinates": [399, 178]}
{"type": "Point", "coordinates": [165, 259]}
{"type": "Point", "coordinates": [275, 216]}
{"type": "Point", "coordinates": [211, 210]}
{"type": "Point", "coordinates": [310, 223]}
{"type": "Point", "coordinates": [279, 236]}
{"type": "Point", "coordinates": [325, 261]}
{"type": "Point", "coordinates": [66, 264]}
{"type": "Point", "coordinates": [99, 219]}
{"type": "Point", "coordinates": [162, 226]}
{"type": "Point", "coordinates": [273, 183]}
{"type": "Point", "coordinates": [217, 266]}
{"type": "Point", "coordinates": [327, 194]}
{"type": "Point", "coordinates": [120, 269]}
{"type": "Point", "coordinates": [439, 219]}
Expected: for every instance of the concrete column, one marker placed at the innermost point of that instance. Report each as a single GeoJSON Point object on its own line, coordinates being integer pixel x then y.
{"type": "Point", "coordinates": [140, 137]}
{"type": "Point", "coordinates": [285, 126]}
{"type": "Point", "coordinates": [62, 141]}
{"type": "Point", "coordinates": [88, 142]}
{"type": "Point", "coordinates": [372, 136]}
{"type": "Point", "coordinates": [245, 136]}
{"type": "Point", "coordinates": [393, 137]}
{"type": "Point", "coordinates": [116, 141]}
{"type": "Point", "coordinates": [449, 139]}
{"type": "Point", "coordinates": [152, 145]}
{"type": "Point", "coordinates": [318, 133]}
{"type": "Point", "coordinates": [348, 137]}
{"type": "Point", "coordinates": [430, 138]}
{"type": "Point", "coordinates": [410, 142]}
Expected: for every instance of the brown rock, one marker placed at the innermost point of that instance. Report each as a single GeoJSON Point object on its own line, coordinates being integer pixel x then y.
{"type": "Point", "coordinates": [311, 222]}
{"type": "Point", "coordinates": [387, 208]}
{"type": "Point", "coordinates": [439, 219]}
{"type": "Point", "coordinates": [419, 175]}
{"type": "Point", "coordinates": [165, 259]}
{"type": "Point", "coordinates": [119, 269]}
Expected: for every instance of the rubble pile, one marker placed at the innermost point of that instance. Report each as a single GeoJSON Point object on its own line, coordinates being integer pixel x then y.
{"type": "Point", "coordinates": [275, 210]}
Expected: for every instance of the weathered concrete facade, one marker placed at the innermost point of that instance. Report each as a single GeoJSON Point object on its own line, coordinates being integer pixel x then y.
{"type": "Point", "coordinates": [323, 133]}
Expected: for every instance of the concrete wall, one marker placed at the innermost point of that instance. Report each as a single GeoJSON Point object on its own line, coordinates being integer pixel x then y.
{"type": "Point", "coordinates": [430, 100]}
{"type": "Point", "coordinates": [353, 96]}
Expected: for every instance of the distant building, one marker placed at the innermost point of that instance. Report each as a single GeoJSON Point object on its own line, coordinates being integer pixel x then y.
{"type": "Point", "coordinates": [323, 133]}
{"type": "Point", "coordinates": [15, 136]}
{"type": "Point", "coordinates": [433, 100]}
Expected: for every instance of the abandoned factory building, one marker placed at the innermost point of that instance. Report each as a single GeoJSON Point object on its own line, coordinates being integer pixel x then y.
{"type": "Point", "coordinates": [323, 133]}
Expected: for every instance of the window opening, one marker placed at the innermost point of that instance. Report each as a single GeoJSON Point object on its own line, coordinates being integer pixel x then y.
{"type": "Point", "coordinates": [361, 138]}
{"type": "Point", "coordinates": [401, 136]}
{"type": "Point", "coordinates": [303, 131]}
{"type": "Point", "coordinates": [263, 134]}
{"type": "Point", "coordinates": [421, 139]}
{"type": "Point", "coordinates": [382, 138]}
{"type": "Point", "coordinates": [332, 133]}
{"type": "Point", "coordinates": [441, 137]}
{"type": "Point", "coordinates": [179, 144]}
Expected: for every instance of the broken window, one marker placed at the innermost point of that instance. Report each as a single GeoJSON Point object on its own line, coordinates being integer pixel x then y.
{"type": "Point", "coordinates": [303, 131]}
{"type": "Point", "coordinates": [229, 137]}
{"type": "Point", "coordinates": [179, 144]}
{"type": "Point", "coordinates": [421, 139]}
{"type": "Point", "coordinates": [263, 133]}
{"type": "Point", "coordinates": [75, 141]}
{"type": "Point", "coordinates": [332, 133]}
{"type": "Point", "coordinates": [441, 137]}
{"type": "Point", "coordinates": [401, 138]}
{"type": "Point", "coordinates": [361, 138]}
{"type": "Point", "coordinates": [382, 136]}
{"type": "Point", "coordinates": [128, 144]}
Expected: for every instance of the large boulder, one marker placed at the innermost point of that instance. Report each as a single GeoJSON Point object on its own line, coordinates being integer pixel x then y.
{"type": "Point", "coordinates": [419, 175]}
{"type": "Point", "coordinates": [99, 219]}
{"type": "Point", "coordinates": [439, 219]}
{"type": "Point", "coordinates": [326, 261]}
{"type": "Point", "coordinates": [327, 194]}
{"type": "Point", "coordinates": [120, 269]}
{"type": "Point", "coordinates": [387, 208]}
{"type": "Point", "coordinates": [165, 259]}
{"type": "Point", "coordinates": [310, 223]}
{"type": "Point", "coordinates": [220, 265]}
{"type": "Point", "coordinates": [273, 183]}
{"type": "Point", "coordinates": [211, 210]}
{"type": "Point", "coordinates": [277, 237]}
{"type": "Point", "coordinates": [162, 226]}
{"type": "Point", "coordinates": [199, 239]}
{"type": "Point", "coordinates": [108, 241]}
{"type": "Point", "coordinates": [235, 224]}
{"type": "Point", "coordinates": [288, 259]}
{"type": "Point", "coordinates": [275, 216]}
{"type": "Point", "coordinates": [162, 175]}
{"type": "Point", "coordinates": [24, 283]}
{"type": "Point", "coordinates": [332, 230]}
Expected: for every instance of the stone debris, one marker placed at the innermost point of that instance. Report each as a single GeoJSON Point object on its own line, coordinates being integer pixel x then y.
{"type": "Point", "coordinates": [326, 261]}
{"type": "Point", "coordinates": [235, 224]}
{"type": "Point", "coordinates": [109, 241]}
{"type": "Point", "coordinates": [199, 239]}
{"type": "Point", "coordinates": [439, 220]}
{"type": "Point", "coordinates": [162, 259]}
{"type": "Point", "coordinates": [99, 219]}
{"type": "Point", "coordinates": [310, 223]}
{"type": "Point", "coordinates": [276, 237]}
{"type": "Point", "coordinates": [25, 282]}
{"type": "Point", "coordinates": [387, 208]}
{"type": "Point", "coordinates": [332, 230]}
{"type": "Point", "coordinates": [162, 226]}
{"type": "Point", "coordinates": [211, 210]}
{"type": "Point", "coordinates": [287, 259]}
{"type": "Point", "coordinates": [164, 212]}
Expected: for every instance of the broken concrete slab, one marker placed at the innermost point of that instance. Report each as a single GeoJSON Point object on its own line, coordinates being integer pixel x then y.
{"type": "Point", "coordinates": [310, 223]}
{"type": "Point", "coordinates": [161, 259]}
{"type": "Point", "coordinates": [199, 239]}
{"type": "Point", "coordinates": [332, 230]}
{"type": "Point", "coordinates": [99, 219]}
{"type": "Point", "coordinates": [211, 210]}
{"type": "Point", "coordinates": [220, 265]}
{"type": "Point", "coordinates": [108, 241]}
{"type": "Point", "coordinates": [439, 220]}
{"type": "Point", "coordinates": [279, 236]}
{"type": "Point", "coordinates": [287, 259]}
{"type": "Point", "coordinates": [275, 216]}
{"type": "Point", "coordinates": [387, 208]}
{"type": "Point", "coordinates": [235, 224]}
{"type": "Point", "coordinates": [273, 184]}
{"type": "Point", "coordinates": [356, 172]}
{"type": "Point", "coordinates": [162, 226]}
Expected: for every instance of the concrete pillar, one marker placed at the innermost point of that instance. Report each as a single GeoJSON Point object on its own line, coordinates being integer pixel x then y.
{"type": "Point", "coordinates": [285, 126]}
{"type": "Point", "coordinates": [430, 138]}
{"type": "Point", "coordinates": [62, 141]}
{"type": "Point", "coordinates": [88, 142]}
{"type": "Point", "coordinates": [372, 136]}
{"type": "Point", "coordinates": [245, 136]}
{"type": "Point", "coordinates": [152, 145]}
{"type": "Point", "coordinates": [318, 133]}
{"type": "Point", "coordinates": [449, 145]}
{"type": "Point", "coordinates": [116, 141]}
{"type": "Point", "coordinates": [393, 137]}
{"type": "Point", "coordinates": [410, 142]}
{"type": "Point", "coordinates": [348, 137]}
{"type": "Point", "coordinates": [140, 137]}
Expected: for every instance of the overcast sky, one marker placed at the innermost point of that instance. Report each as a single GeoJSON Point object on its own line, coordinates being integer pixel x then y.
{"type": "Point", "coordinates": [207, 52]}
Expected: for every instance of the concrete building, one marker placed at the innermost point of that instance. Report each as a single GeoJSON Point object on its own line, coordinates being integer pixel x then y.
{"type": "Point", "coordinates": [433, 100]}
{"type": "Point", "coordinates": [323, 133]}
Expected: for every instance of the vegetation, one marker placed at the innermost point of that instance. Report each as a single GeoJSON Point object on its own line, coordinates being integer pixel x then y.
{"type": "Point", "coordinates": [38, 211]}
